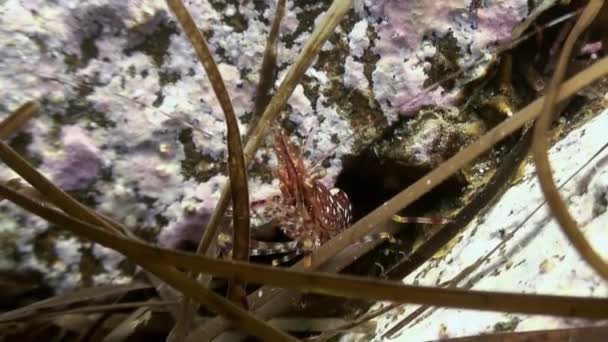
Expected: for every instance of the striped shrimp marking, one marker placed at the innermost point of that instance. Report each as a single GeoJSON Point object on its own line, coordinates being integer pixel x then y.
{"type": "Point", "coordinates": [305, 210]}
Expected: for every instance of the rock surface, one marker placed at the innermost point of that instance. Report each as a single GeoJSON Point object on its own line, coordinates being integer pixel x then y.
{"type": "Point", "coordinates": [117, 81]}
{"type": "Point", "coordinates": [535, 256]}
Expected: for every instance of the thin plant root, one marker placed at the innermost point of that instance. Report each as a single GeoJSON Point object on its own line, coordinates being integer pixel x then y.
{"type": "Point", "coordinates": [540, 147]}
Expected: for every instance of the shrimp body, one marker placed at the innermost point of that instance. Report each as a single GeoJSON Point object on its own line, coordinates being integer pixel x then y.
{"type": "Point", "coordinates": [312, 214]}
{"type": "Point", "coordinates": [304, 209]}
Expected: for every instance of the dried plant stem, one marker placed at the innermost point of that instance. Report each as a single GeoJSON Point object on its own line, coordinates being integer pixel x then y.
{"type": "Point", "coordinates": [269, 67]}
{"type": "Point", "coordinates": [18, 118]}
{"type": "Point", "coordinates": [236, 168]}
{"type": "Point", "coordinates": [415, 191]}
{"type": "Point", "coordinates": [540, 146]}
{"type": "Point", "coordinates": [236, 162]}
{"type": "Point", "coordinates": [156, 305]}
{"type": "Point", "coordinates": [123, 330]}
{"type": "Point", "coordinates": [68, 299]}
{"type": "Point", "coordinates": [153, 259]}
{"type": "Point", "coordinates": [16, 184]}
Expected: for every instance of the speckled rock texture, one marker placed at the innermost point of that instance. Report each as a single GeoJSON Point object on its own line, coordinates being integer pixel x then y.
{"type": "Point", "coordinates": [120, 87]}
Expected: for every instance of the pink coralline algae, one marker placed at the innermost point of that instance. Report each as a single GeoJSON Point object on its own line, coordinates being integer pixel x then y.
{"type": "Point", "coordinates": [188, 230]}
{"type": "Point", "coordinates": [408, 33]}
{"type": "Point", "coordinates": [79, 163]}
{"type": "Point", "coordinates": [405, 22]}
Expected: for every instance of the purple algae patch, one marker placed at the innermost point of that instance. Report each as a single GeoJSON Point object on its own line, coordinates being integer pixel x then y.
{"type": "Point", "coordinates": [78, 164]}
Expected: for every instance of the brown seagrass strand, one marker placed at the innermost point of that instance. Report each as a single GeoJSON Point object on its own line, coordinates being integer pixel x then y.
{"type": "Point", "coordinates": [69, 299]}
{"type": "Point", "coordinates": [268, 70]}
{"type": "Point", "coordinates": [18, 118]}
{"type": "Point", "coordinates": [540, 146]}
{"type": "Point", "coordinates": [151, 257]}
{"type": "Point", "coordinates": [236, 166]}
{"type": "Point", "coordinates": [236, 161]}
